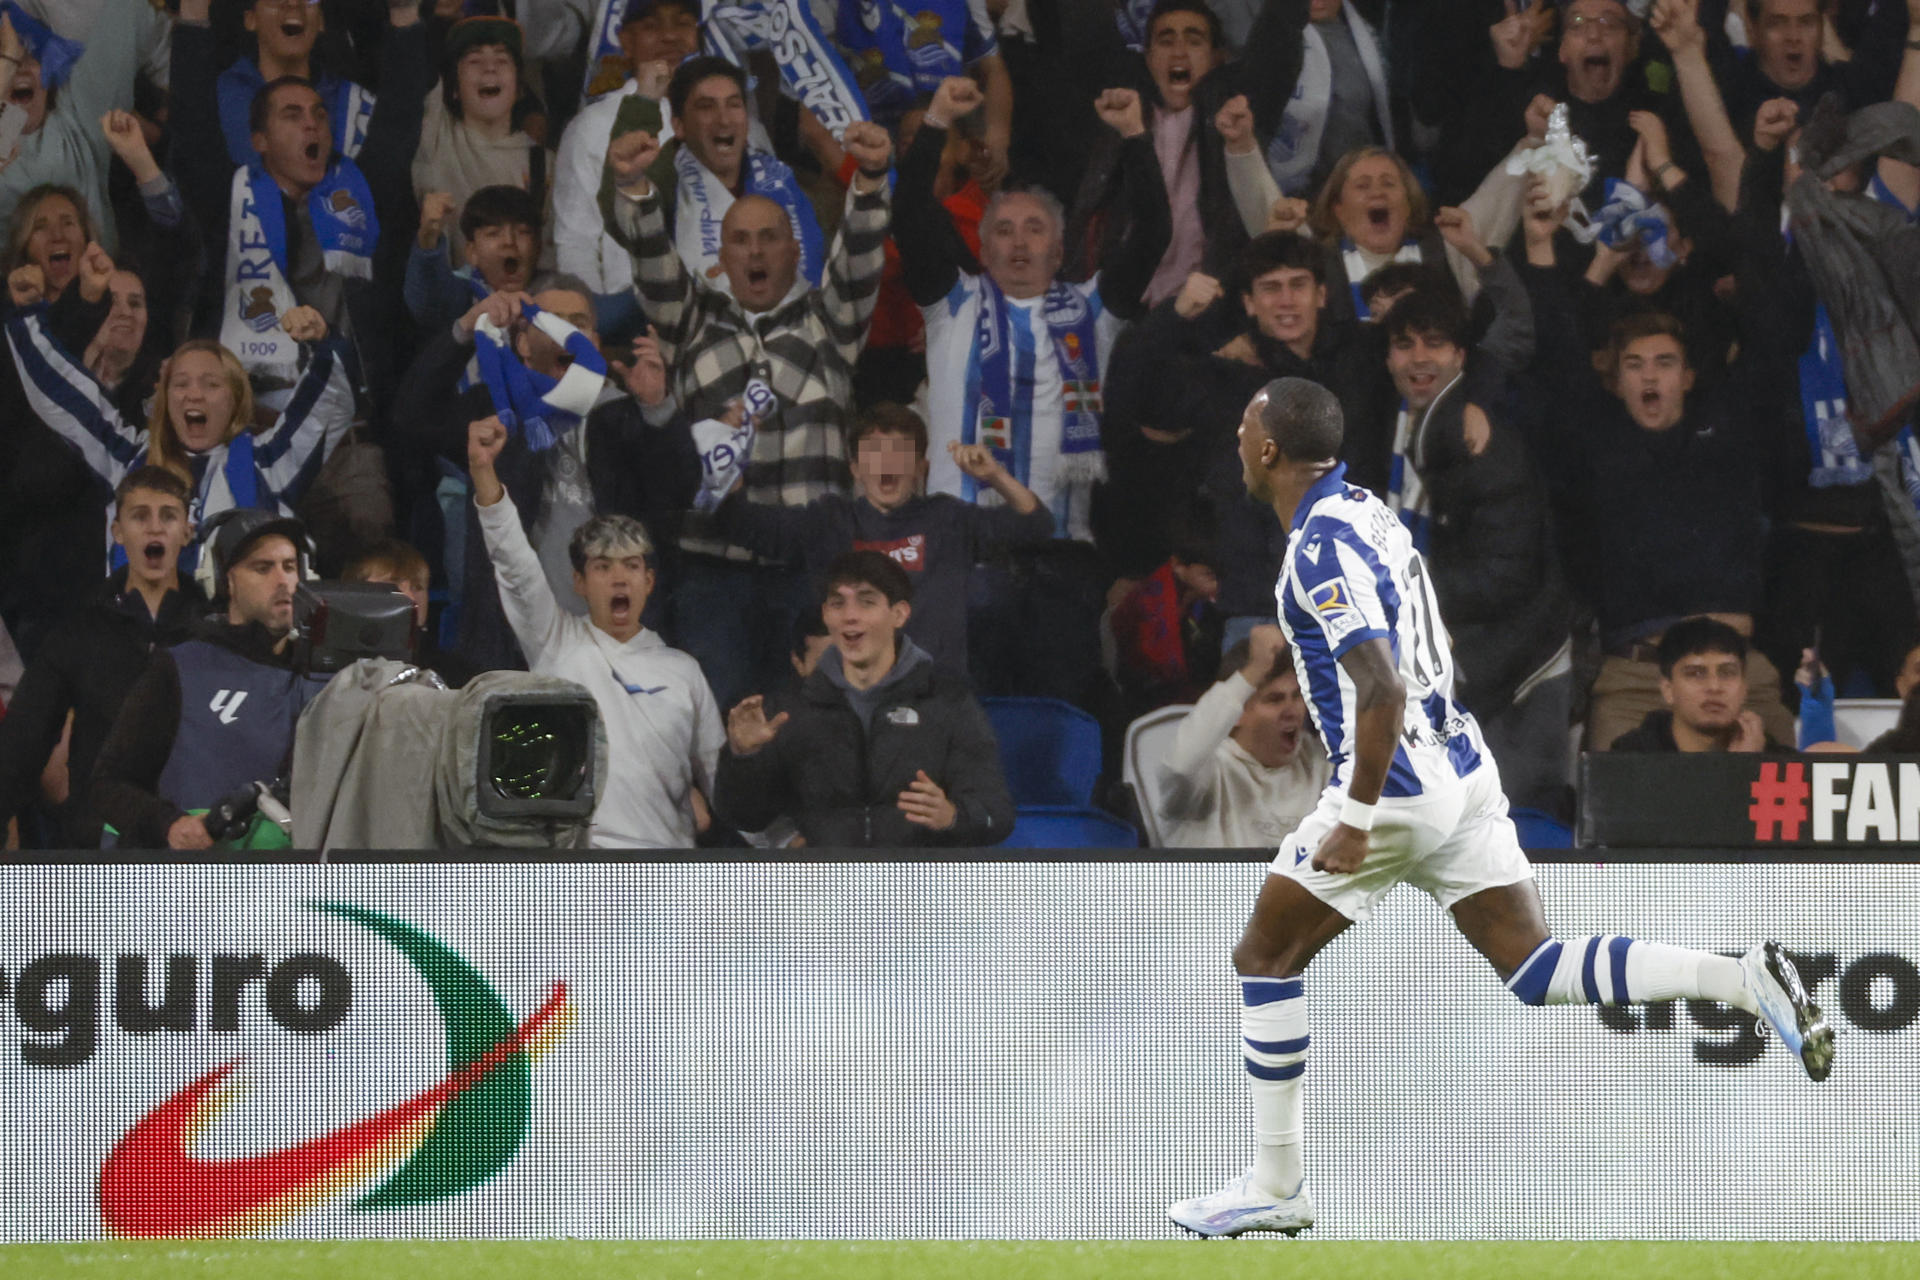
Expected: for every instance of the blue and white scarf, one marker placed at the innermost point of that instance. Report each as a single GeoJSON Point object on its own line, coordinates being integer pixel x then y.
{"type": "Point", "coordinates": [1355, 262]}
{"type": "Point", "coordinates": [1131, 18]}
{"type": "Point", "coordinates": [341, 209]}
{"type": "Point", "coordinates": [1406, 495]}
{"type": "Point", "coordinates": [1000, 382]}
{"type": "Point", "coordinates": [1627, 218]}
{"type": "Point", "coordinates": [811, 70]}
{"type": "Point", "coordinates": [55, 54]}
{"type": "Point", "coordinates": [701, 202]}
{"type": "Point", "coordinates": [1835, 454]}
{"type": "Point", "coordinates": [527, 402]}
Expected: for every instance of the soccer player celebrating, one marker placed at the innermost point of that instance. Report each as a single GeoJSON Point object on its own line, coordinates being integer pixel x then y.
{"type": "Point", "coordinates": [1414, 796]}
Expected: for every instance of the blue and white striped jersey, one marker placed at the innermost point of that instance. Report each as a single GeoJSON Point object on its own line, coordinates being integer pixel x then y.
{"type": "Point", "coordinates": [1352, 575]}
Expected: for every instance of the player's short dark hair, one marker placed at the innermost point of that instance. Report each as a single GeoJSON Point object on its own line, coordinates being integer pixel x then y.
{"type": "Point", "coordinates": [809, 624]}
{"type": "Point", "coordinates": [154, 480]}
{"type": "Point", "coordinates": [887, 418]}
{"type": "Point", "coordinates": [262, 105]}
{"type": "Point", "coordinates": [1303, 419]}
{"type": "Point", "coordinates": [1431, 312]}
{"type": "Point", "coordinates": [1696, 636]}
{"type": "Point", "coordinates": [874, 569]}
{"type": "Point", "coordinates": [693, 71]}
{"type": "Point", "coordinates": [499, 206]}
{"type": "Point", "coordinates": [1164, 7]}
{"type": "Point", "coordinates": [1273, 250]}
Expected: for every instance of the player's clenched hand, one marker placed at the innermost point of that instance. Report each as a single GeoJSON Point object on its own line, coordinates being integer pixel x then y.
{"type": "Point", "coordinates": [1342, 851]}
{"type": "Point", "coordinates": [926, 805]}
{"type": "Point", "coordinates": [629, 156]}
{"type": "Point", "coordinates": [748, 728]}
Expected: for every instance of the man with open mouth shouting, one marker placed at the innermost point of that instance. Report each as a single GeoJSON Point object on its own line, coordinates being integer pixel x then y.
{"type": "Point", "coordinates": [771, 341]}
{"type": "Point", "coordinates": [299, 224]}
{"type": "Point", "coordinates": [284, 33]}
{"type": "Point", "coordinates": [90, 661]}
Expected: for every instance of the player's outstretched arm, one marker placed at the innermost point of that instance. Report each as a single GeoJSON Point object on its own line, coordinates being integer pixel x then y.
{"type": "Point", "coordinates": [1380, 701]}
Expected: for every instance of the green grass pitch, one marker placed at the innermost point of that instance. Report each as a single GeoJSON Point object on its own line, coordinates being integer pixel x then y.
{"type": "Point", "coordinates": [1259, 1259]}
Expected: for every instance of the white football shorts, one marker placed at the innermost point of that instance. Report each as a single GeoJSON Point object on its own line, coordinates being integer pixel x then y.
{"type": "Point", "coordinates": [1451, 845]}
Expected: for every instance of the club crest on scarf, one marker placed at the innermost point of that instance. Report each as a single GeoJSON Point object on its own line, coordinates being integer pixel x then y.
{"type": "Point", "coordinates": [724, 448]}
{"type": "Point", "coordinates": [1002, 377]}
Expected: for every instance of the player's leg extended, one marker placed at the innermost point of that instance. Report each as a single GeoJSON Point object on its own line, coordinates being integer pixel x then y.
{"type": "Point", "coordinates": [1288, 927]}
{"type": "Point", "coordinates": [1507, 926]}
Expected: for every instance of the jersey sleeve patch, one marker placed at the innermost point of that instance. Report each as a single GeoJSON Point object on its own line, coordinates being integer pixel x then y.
{"type": "Point", "coordinates": [1333, 605]}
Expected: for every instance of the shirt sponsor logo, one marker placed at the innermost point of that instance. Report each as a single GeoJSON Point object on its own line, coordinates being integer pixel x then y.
{"type": "Point", "coordinates": [910, 553]}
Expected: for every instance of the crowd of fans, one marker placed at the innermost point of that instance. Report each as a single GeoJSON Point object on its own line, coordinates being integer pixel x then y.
{"type": "Point", "coordinates": [793, 374]}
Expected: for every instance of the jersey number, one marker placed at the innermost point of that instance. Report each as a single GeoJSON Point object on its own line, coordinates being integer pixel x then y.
{"type": "Point", "coordinates": [1427, 658]}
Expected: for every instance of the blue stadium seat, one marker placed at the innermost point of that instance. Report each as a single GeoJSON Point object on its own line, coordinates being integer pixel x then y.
{"type": "Point", "coordinates": [1541, 830]}
{"type": "Point", "coordinates": [1069, 827]}
{"type": "Point", "coordinates": [1049, 750]}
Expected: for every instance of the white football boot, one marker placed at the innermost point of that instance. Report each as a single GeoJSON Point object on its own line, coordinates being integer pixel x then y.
{"type": "Point", "coordinates": [1240, 1206]}
{"type": "Point", "coordinates": [1787, 1007]}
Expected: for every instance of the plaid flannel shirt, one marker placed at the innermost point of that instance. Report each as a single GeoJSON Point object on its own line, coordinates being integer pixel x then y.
{"type": "Point", "coordinates": [803, 350]}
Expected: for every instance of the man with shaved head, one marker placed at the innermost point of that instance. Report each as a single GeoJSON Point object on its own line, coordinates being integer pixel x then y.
{"type": "Point", "coordinates": [768, 350]}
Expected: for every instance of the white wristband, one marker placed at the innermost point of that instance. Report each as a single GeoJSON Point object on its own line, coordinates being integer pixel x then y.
{"type": "Point", "coordinates": [1356, 815]}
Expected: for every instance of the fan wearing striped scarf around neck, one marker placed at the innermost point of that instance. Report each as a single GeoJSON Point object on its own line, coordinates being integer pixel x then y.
{"type": "Point", "coordinates": [1371, 213]}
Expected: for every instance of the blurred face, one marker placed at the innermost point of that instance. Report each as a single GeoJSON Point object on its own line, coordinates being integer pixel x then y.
{"type": "Point", "coordinates": [1255, 452]}
{"type": "Point", "coordinates": [541, 353]}
{"type": "Point", "coordinates": [1197, 581]}
{"type": "Point", "coordinates": [384, 576]}
{"type": "Point", "coordinates": [1180, 52]}
{"type": "Point", "coordinates": [1639, 273]}
{"type": "Point", "coordinates": [615, 586]}
{"type": "Point", "coordinates": [669, 34]}
{"type": "Point", "coordinates": [56, 239]}
{"type": "Point", "coordinates": [1909, 675]}
{"type": "Point", "coordinates": [151, 527]}
{"type": "Point", "coordinates": [1706, 691]}
{"type": "Point", "coordinates": [260, 587]}
{"type": "Point", "coordinates": [286, 29]}
{"type": "Point", "coordinates": [1273, 721]}
{"type": "Point", "coordinates": [489, 83]}
{"type": "Point", "coordinates": [1653, 381]}
{"type": "Point", "coordinates": [1324, 10]}
{"type": "Point", "coordinates": [1374, 207]}
{"type": "Point", "coordinates": [295, 145]}
{"type": "Point", "coordinates": [1596, 44]}
{"type": "Point", "coordinates": [1021, 247]}
{"type": "Point", "coordinates": [1423, 365]}
{"type": "Point", "coordinates": [758, 253]}
{"type": "Point", "coordinates": [1787, 43]}
{"type": "Point", "coordinates": [504, 255]}
{"type": "Point", "coordinates": [888, 469]}
{"type": "Point", "coordinates": [1285, 303]}
{"type": "Point", "coordinates": [199, 400]}
{"type": "Point", "coordinates": [126, 326]}
{"type": "Point", "coordinates": [713, 124]}
{"type": "Point", "coordinates": [27, 93]}
{"type": "Point", "coordinates": [862, 625]}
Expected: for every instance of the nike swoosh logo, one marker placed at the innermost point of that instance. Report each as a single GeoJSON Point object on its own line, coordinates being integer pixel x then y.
{"type": "Point", "coordinates": [150, 1186]}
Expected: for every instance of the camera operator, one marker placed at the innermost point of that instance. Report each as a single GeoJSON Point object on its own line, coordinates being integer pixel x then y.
{"type": "Point", "coordinates": [217, 712]}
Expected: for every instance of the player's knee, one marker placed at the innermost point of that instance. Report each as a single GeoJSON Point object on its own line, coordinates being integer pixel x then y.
{"type": "Point", "coordinates": [1262, 957]}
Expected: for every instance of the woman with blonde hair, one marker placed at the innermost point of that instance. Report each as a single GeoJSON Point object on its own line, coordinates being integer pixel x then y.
{"type": "Point", "coordinates": [202, 423]}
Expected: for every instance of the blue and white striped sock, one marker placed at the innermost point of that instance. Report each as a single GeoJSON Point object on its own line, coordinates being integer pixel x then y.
{"type": "Point", "coordinates": [1273, 1029]}
{"type": "Point", "coordinates": [1611, 969]}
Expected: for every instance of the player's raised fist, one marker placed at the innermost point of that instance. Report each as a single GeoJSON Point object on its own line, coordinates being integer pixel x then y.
{"type": "Point", "coordinates": [1342, 851]}
{"type": "Point", "coordinates": [485, 439]}
{"type": "Point", "coordinates": [869, 145]}
{"type": "Point", "coordinates": [748, 728]}
{"type": "Point", "coordinates": [1119, 110]}
{"type": "Point", "coordinates": [1235, 123]}
{"type": "Point", "coordinates": [629, 156]}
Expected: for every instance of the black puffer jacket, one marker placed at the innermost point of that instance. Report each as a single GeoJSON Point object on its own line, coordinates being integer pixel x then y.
{"type": "Point", "coordinates": [840, 783]}
{"type": "Point", "coordinates": [1491, 551]}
